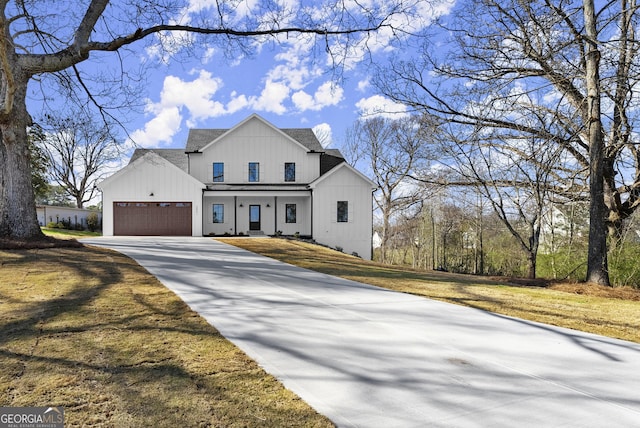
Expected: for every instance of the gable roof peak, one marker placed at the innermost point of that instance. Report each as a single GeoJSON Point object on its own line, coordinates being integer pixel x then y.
{"type": "Point", "coordinates": [200, 139]}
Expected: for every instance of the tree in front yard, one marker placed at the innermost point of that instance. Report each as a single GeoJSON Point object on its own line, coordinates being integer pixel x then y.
{"type": "Point", "coordinates": [47, 40]}
{"type": "Point", "coordinates": [78, 152]}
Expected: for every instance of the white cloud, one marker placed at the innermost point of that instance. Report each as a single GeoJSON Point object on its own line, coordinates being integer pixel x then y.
{"type": "Point", "coordinates": [377, 105]}
{"type": "Point", "coordinates": [303, 101]}
{"type": "Point", "coordinates": [326, 95]}
{"type": "Point", "coordinates": [196, 6]}
{"type": "Point", "coordinates": [324, 134]}
{"type": "Point", "coordinates": [178, 95]}
{"type": "Point", "coordinates": [329, 94]}
{"type": "Point", "coordinates": [195, 96]}
{"type": "Point", "coordinates": [296, 77]}
{"type": "Point", "coordinates": [365, 84]}
{"type": "Point", "coordinates": [271, 98]}
{"type": "Point", "coordinates": [208, 55]}
{"type": "Point", "coordinates": [245, 8]}
{"type": "Point", "coordinates": [237, 103]}
{"type": "Point", "coordinates": [159, 130]}
{"type": "Point", "coordinates": [413, 19]}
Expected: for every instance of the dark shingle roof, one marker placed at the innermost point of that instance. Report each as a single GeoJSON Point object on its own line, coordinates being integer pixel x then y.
{"type": "Point", "coordinates": [198, 138]}
{"type": "Point", "coordinates": [334, 152]}
{"type": "Point", "coordinates": [330, 160]}
{"type": "Point", "coordinates": [175, 156]}
{"type": "Point", "coordinates": [306, 137]}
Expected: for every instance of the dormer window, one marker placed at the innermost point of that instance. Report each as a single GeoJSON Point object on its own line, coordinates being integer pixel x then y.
{"type": "Point", "coordinates": [289, 171]}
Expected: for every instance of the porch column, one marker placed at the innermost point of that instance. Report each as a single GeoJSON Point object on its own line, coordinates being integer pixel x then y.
{"type": "Point", "coordinates": [235, 215]}
{"type": "Point", "coordinates": [311, 193]}
{"type": "Point", "coordinates": [275, 215]}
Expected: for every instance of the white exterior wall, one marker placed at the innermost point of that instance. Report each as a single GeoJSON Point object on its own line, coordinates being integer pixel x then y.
{"type": "Point", "coordinates": [51, 213]}
{"type": "Point", "coordinates": [255, 141]}
{"type": "Point", "coordinates": [303, 216]}
{"type": "Point", "coordinates": [354, 235]}
{"type": "Point", "coordinates": [151, 175]}
{"type": "Point", "coordinates": [267, 214]}
{"type": "Point", "coordinates": [211, 228]}
{"type": "Point", "coordinates": [273, 216]}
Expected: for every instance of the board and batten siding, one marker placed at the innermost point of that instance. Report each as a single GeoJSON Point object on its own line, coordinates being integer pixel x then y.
{"type": "Point", "coordinates": [227, 224]}
{"type": "Point", "coordinates": [302, 225]}
{"type": "Point", "coordinates": [255, 141]}
{"type": "Point", "coordinates": [353, 236]}
{"type": "Point", "coordinates": [151, 179]}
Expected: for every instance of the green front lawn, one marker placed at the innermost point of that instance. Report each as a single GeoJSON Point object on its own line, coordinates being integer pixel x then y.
{"type": "Point", "coordinates": [68, 234]}
{"type": "Point", "coordinates": [92, 331]}
{"type": "Point", "coordinates": [613, 312]}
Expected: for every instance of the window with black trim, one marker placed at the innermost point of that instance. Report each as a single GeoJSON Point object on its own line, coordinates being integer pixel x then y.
{"type": "Point", "coordinates": [254, 172]}
{"type": "Point", "coordinates": [218, 213]}
{"type": "Point", "coordinates": [218, 172]}
{"type": "Point", "coordinates": [289, 171]}
{"type": "Point", "coordinates": [343, 211]}
{"type": "Point", "coordinates": [290, 213]}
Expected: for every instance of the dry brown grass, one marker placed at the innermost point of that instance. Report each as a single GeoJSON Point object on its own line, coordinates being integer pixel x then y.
{"type": "Point", "coordinates": [90, 330]}
{"type": "Point", "coordinates": [613, 312]}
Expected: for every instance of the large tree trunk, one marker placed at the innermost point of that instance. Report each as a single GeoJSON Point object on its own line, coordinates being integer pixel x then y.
{"type": "Point", "coordinates": [4, 209]}
{"type": "Point", "coordinates": [531, 261]}
{"type": "Point", "coordinates": [18, 218]}
{"type": "Point", "coordinates": [597, 265]}
{"type": "Point", "coordinates": [386, 230]}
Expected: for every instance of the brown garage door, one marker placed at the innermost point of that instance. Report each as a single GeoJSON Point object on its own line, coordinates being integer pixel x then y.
{"type": "Point", "coordinates": [152, 218]}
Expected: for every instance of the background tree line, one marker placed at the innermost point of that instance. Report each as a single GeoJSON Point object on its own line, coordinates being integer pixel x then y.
{"type": "Point", "coordinates": [463, 235]}
{"type": "Point", "coordinates": [534, 105]}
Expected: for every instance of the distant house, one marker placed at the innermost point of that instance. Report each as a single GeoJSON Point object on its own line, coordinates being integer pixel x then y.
{"type": "Point", "coordinates": [251, 179]}
{"type": "Point", "coordinates": [69, 215]}
{"type": "Point", "coordinates": [561, 224]}
{"type": "Point", "coordinates": [376, 241]}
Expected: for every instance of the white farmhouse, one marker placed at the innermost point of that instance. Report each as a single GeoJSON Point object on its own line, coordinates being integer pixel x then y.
{"type": "Point", "coordinates": [251, 179]}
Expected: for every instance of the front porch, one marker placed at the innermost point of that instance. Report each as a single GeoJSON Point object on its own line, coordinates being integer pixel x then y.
{"type": "Point", "coordinates": [257, 212]}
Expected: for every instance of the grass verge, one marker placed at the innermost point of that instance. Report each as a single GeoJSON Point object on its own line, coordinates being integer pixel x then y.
{"type": "Point", "coordinates": [68, 234]}
{"type": "Point", "coordinates": [613, 312]}
{"type": "Point", "coordinates": [90, 330]}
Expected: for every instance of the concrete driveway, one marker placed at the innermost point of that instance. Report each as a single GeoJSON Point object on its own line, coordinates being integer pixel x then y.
{"type": "Point", "coordinates": [368, 357]}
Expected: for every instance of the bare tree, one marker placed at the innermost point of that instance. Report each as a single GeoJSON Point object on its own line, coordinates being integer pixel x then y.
{"type": "Point", "coordinates": [392, 150]}
{"type": "Point", "coordinates": [514, 177]}
{"type": "Point", "coordinates": [78, 151]}
{"type": "Point", "coordinates": [46, 38]}
{"type": "Point", "coordinates": [578, 66]}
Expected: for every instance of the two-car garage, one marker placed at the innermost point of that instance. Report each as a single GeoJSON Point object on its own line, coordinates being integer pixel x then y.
{"type": "Point", "coordinates": [152, 197]}
{"type": "Point", "coordinates": [152, 218]}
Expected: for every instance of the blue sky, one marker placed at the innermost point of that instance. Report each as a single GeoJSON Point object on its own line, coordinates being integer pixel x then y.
{"type": "Point", "coordinates": [285, 83]}
{"type": "Point", "coordinates": [219, 95]}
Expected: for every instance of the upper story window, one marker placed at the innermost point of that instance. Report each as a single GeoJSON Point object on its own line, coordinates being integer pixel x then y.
{"type": "Point", "coordinates": [289, 171]}
{"type": "Point", "coordinates": [254, 172]}
{"type": "Point", "coordinates": [218, 172]}
{"type": "Point", "coordinates": [343, 211]}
